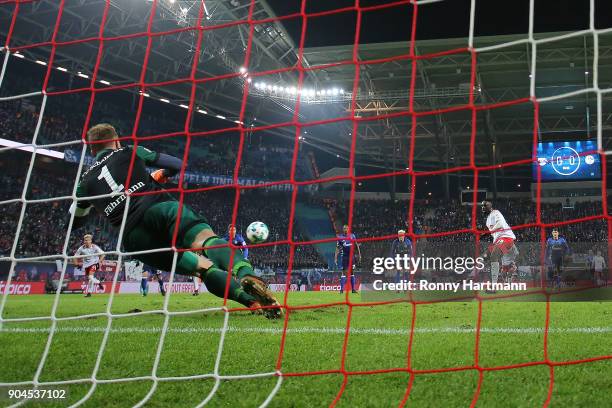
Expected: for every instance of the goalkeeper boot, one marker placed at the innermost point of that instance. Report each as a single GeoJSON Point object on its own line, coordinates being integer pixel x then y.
{"type": "Point", "coordinates": [100, 285]}
{"type": "Point", "coordinates": [259, 290]}
{"type": "Point", "coordinates": [256, 308]}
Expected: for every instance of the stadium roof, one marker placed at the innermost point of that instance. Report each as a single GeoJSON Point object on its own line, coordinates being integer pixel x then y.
{"type": "Point", "coordinates": [502, 74]}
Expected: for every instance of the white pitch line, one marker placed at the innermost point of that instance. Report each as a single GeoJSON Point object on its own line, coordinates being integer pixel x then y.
{"type": "Point", "coordinates": [313, 330]}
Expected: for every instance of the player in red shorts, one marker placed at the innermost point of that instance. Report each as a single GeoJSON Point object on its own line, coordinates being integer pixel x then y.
{"type": "Point", "coordinates": [503, 248]}
{"type": "Point", "coordinates": [90, 263]}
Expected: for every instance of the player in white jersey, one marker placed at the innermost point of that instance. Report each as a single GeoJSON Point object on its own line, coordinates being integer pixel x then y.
{"type": "Point", "coordinates": [90, 262]}
{"type": "Point", "coordinates": [196, 285]}
{"type": "Point", "coordinates": [503, 248]}
{"type": "Point", "coordinates": [599, 263]}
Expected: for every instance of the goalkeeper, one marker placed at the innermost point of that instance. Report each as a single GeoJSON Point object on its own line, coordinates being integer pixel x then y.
{"type": "Point", "coordinates": [151, 219]}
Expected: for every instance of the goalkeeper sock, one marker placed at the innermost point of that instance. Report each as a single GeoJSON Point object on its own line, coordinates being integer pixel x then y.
{"type": "Point", "coordinates": [353, 283]}
{"type": "Point", "coordinates": [215, 280]}
{"type": "Point", "coordinates": [494, 271]}
{"type": "Point", "coordinates": [221, 257]}
{"type": "Point", "coordinates": [342, 283]}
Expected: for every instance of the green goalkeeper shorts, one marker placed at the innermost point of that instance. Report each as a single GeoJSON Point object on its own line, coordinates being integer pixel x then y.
{"type": "Point", "coordinates": [156, 229]}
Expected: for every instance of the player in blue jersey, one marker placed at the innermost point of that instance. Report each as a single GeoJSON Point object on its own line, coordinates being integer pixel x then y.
{"type": "Point", "coordinates": [237, 240]}
{"type": "Point", "coordinates": [556, 249]}
{"type": "Point", "coordinates": [400, 246]}
{"type": "Point", "coordinates": [343, 249]}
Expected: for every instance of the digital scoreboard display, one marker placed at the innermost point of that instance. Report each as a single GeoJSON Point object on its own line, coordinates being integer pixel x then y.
{"type": "Point", "coordinates": [567, 161]}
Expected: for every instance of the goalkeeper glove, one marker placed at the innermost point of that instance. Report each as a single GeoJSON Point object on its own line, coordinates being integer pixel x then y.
{"type": "Point", "coordinates": [159, 176]}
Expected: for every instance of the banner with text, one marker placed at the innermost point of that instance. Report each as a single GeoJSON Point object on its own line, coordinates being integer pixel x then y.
{"type": "Point", "coordinates": [74, 156]}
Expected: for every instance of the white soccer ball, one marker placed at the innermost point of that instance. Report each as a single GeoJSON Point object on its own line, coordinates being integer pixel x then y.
{"type": "Point", "coordinates": [257, 232]}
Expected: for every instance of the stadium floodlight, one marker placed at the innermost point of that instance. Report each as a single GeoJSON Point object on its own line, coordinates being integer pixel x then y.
{"type": "Point", "coordinates": [82, 75]}
{"type": "Point", "coordinates": [172, 1]}
{"type": "Point", "coordinates": [184, 106]}
{"type": "Point", "coordinates": [335, 91]}
{"type": "Point", "coordinates": [164, 100]}
{"type": "Point", "coordinates": [62, 69]}
{"type": "Point", "coordinates": [18, 55]}
{"type": "Point", "coordinates": [221, 116]}
{"type": "Point", "coordinates": [202, 111]}
{"type": "Point", "coordinates": [41, 62]}
{"type": "Point", "coordinates": [102, 81]}
{"type": "Point", "coordinates": [341, 91]}
{"type": "Point", "coordinates": [243, 70]}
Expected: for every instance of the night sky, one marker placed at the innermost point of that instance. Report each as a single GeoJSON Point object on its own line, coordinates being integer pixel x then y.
{"type": "Point", "coordinates": [447, 19]}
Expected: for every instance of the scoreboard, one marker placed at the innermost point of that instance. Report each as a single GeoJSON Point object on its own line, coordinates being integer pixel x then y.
{"type": "Point", "coordinates": [567, 161]}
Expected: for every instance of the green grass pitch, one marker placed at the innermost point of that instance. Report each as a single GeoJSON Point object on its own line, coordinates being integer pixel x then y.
{"type": "Point", "coordinates": [444, 337]}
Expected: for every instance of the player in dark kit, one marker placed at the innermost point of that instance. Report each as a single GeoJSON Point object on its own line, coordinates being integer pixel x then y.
{"type": "Point", "coordinates": [402, 245]}
{"type": "Point", "coordinates": [556, 249]}
{"type": "Point", "coordinates": [160, 281]}
{"type": "Point", "coordinates": [151, 219]}
{"type": "Point", "coordinates": [343, 248]}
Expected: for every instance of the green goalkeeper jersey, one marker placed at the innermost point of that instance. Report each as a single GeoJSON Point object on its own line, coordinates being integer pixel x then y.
{"type": "Point", "coordinates": [109, 176]}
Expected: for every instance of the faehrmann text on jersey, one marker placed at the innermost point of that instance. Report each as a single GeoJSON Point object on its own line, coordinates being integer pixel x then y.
{"type": "Point", "coordinates": [109, 208]}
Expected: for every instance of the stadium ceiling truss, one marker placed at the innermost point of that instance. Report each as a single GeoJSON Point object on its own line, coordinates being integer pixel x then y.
{"type": "Point", "coordinates": [171, 56]}
{"type": "Point", "coordinates": [502, 74]}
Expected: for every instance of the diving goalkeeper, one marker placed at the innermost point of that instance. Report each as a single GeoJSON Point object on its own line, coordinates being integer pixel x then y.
{"type": "Point", "coordinates": [151, 219]}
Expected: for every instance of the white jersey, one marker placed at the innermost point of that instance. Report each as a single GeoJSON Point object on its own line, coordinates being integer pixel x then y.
{"type": "Point", "coordinates": [498, 226]}
{"type": "Point", "coordinates": [91, 253]}
{"type": "Point", "coordinates": [598, 263]}
{"type": "Point", "coordinates": [133, 270]}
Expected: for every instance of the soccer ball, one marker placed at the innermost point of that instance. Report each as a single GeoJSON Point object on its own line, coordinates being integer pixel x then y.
{"type": "Point", "coordinates": [257, 232]}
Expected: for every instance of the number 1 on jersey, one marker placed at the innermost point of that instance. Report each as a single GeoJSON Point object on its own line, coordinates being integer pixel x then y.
{"type": "Point", "coordinates": [105, 174]}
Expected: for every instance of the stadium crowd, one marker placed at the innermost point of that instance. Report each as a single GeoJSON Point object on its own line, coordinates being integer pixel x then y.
{"type": "Point", "coordinates": [44, 224]}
